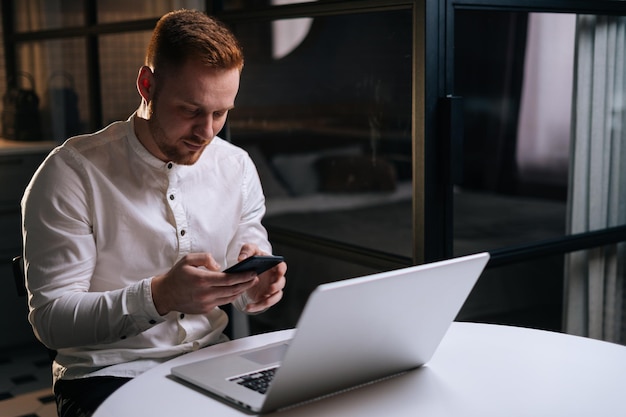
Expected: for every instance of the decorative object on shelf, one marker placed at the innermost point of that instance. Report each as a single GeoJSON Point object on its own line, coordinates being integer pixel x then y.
{"type": "Point", "coordinates": [62, 106]}
{"type": "Point", "coordinates": [21, 119]}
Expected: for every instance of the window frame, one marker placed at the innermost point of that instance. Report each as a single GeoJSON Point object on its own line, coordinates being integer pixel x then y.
{"type": "Point", "coordinates": [435, 121]}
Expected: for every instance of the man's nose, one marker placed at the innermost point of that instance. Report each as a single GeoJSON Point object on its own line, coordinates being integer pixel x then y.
{"type": "Point", "coordinates": [204, 126]}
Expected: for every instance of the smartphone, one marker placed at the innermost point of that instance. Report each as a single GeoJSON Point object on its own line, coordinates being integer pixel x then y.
{"type": "Point", "coordinates": [256, 263]}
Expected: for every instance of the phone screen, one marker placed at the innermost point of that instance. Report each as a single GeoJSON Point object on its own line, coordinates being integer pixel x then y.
{"type": "Point", "coordinates": [256, 263]}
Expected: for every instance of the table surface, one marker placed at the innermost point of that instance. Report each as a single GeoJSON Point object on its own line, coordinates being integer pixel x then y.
{"type": "Point", "coordinates": [478, 370]}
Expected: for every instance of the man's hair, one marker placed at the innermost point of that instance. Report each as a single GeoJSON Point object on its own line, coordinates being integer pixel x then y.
{"type": "Point", "coordinates": [190, 34]}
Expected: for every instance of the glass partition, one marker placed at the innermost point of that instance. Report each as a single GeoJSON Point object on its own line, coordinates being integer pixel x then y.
{"type": "Point", "coordinates": [231, 5]}
{"type": "Point", "coordinates": [515, 76]}
{"type": "Point", "coordinates": [326, 115]}
{"type": "Point", "coordinates": [124, 10]}
{"type": "Point", "coordinates": [119, 73]}
{"type": "Point", "coordinates": [32, 15]}
{"type": "Point", "coordinates": [543, 160]}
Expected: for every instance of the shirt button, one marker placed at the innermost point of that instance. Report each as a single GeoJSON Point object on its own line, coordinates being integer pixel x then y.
{"type": "Point", "coordinates": [152, 321]}
{"type": "Point", "coordinates": [182, 233]}
{"type": "Point", "coordinates": [172, 196]}
{"type": "Point", "coordinates": [123, 337]}
{"type": "Point", "coordinates": [182, 316]}
{"type": "Point", "coordinates": [169, 165]}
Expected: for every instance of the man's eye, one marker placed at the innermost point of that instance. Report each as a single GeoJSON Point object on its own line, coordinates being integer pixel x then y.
{"type": "Point", "coordinates": [190, 111]}
{"type": "Point", "coordinates": [219, 114]}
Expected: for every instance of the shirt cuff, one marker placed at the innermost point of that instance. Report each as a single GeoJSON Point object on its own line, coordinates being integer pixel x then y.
{"type": "Point", "coordinates": [242, 302]}
{"type": "Point", "coordinates": [140, 306]}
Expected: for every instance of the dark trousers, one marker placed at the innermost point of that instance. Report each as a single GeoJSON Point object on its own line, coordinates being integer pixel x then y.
{"type": "Point", "coordinates": [81, 397]}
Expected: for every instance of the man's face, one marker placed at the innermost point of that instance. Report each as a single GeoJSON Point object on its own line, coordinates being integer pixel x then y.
{"type": "Point", "coordinates": [188, 109]}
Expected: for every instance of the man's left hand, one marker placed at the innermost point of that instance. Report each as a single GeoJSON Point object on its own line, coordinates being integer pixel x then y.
{"type": "Point", "coordinates": [269, 288]}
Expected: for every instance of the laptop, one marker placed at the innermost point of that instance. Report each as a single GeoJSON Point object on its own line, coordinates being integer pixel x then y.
{"type": "Point", "coordinates": [350, 333]}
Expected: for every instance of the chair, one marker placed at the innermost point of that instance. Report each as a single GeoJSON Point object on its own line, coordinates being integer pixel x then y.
{"type": "Point", "coordinates": [18, 276]}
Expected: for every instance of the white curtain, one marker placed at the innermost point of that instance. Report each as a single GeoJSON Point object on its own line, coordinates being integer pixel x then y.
{"type": "Point", "coordinates": [594, 299]}
{"type": "Point", "coordinates": [545, 119]}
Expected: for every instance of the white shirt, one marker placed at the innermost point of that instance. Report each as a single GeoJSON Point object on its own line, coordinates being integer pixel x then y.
{"type": "Point", "coordinates": [101, 217]}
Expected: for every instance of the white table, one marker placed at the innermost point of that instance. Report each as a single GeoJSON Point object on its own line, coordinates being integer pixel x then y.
{"type": "Point", "coordinates": [479, 370]}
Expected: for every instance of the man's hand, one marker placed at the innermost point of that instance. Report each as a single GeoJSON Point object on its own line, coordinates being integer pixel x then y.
{"type": "Point", "coordinates": [268, 289]}
{"type": "Point", "coordinates": [195, 285]}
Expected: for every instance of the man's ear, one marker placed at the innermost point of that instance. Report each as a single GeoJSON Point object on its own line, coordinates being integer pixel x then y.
{"type": "Point", "coordinates": [145, 83]}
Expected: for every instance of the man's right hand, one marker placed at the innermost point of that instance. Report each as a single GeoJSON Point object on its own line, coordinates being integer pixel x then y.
{"type": "Point", "coordinates": [195, 285]}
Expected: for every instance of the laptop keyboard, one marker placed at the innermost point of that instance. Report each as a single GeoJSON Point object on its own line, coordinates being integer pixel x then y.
{"type": "Point", "coordinates": [258, 381]}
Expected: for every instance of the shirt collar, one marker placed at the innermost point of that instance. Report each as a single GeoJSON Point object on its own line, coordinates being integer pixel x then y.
{"type": "Point", "coordinates": [141, 151]}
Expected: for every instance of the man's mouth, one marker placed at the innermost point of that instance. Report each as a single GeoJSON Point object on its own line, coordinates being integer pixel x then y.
{"type": "Point", "coordinates": [194, 146]}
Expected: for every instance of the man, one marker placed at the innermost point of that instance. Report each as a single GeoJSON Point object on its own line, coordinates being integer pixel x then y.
{"type": "Point", "coordinates": [126, 230]}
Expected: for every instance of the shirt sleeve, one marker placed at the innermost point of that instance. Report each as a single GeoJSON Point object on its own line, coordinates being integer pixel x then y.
{"type": "Point", "coordinates": [250, 228]}
{"type": "Point", "coordinates": [60, 257]}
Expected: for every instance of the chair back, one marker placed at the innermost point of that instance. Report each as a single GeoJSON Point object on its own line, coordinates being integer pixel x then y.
{"type": "Point", "coordinates": [18, 276]}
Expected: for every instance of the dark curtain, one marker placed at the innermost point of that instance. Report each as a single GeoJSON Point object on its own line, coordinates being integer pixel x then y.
{"type": "Point", "coordinates": [489, 55]}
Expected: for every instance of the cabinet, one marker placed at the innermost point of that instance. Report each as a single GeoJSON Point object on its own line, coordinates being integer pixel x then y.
{"type": "Point", "coordinates": [18, 162]}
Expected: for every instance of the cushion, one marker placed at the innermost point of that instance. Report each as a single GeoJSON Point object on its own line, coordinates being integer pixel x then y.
{"type": "Point", "coordinates": [355, 173]}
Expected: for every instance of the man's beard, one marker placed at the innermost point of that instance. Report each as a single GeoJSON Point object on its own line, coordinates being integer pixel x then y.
{"type": "Point", "coordinates": [168, 148]}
